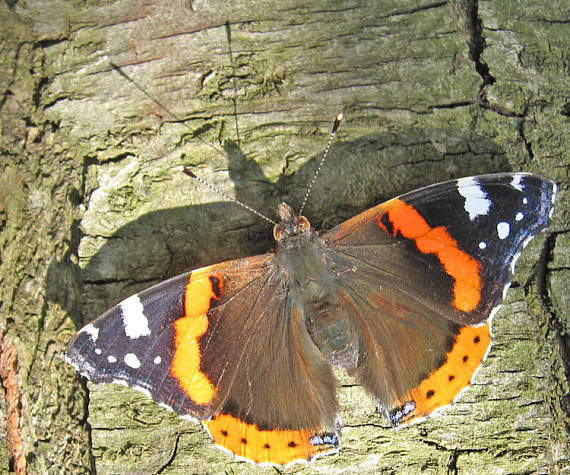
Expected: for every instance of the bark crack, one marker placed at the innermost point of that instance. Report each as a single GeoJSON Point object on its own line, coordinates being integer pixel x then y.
{"type": "Point", "coordinates": [554, 322]}
{"type": "Point", "coordinates": [555, 326]}
{"type": "Point", "coordinates": [468, 10]}
{"type": "Point", "coordinates": [476, 42]}
{"type": "Point", "coordinates": [168, 462]}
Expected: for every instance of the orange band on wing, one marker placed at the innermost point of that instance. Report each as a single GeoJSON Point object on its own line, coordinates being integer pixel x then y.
{"type": "Point", "coordinates": [278, 447]}
{"type": "Point", "coordinates": [442, 385]}
{"type": "Point", "coordinates": [456, 263]}
{"type": "Point", "coordinates": [185, 366]}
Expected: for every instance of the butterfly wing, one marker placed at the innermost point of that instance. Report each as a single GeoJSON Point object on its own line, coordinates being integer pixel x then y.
{"type": "Point", "coordinates": [429, 269]}
{"type": "Point", "coordinates": [226, 345]}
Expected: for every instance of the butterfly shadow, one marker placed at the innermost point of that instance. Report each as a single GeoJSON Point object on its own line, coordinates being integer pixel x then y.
{"type": "Point", "coordinates": [358, 174]}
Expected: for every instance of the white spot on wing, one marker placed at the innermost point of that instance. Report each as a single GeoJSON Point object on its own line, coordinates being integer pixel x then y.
{"type": "Point", "coordinates": [98, 351]}
{"type": "Point", "coordinates": [503, 230]}
{"type": "Point", "coordinates": [516, 182]}
{"type": "Point", "coordinates": [482, 245]}
{"type": "Point", "coordinates": [134, 319]}
{"type": "Point", "coordinates": [476, 201]}
{"type": "Point", "coordinates": [519, 216]}
{"type": "Point", "coordinates": [525, 200]}
{"type": "Point", "coordinates": [111, 359]}
{"type": "Point", "coordinates": [157, 360]}
{"type": "Point", "coordinates": [132, 360]}
{"type": "Point", "coordinates": [92, 331]}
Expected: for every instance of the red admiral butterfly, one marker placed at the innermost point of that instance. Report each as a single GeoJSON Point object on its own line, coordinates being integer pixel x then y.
{"type": "Point", "coordinates": [400, 296]}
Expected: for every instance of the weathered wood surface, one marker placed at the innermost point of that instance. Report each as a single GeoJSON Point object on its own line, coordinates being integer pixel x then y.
{"type": "Point", "coordinates": [245, 92]}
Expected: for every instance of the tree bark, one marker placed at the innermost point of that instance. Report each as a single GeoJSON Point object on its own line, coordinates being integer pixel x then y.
{"type": "Point", "coordinates": [100, 102]}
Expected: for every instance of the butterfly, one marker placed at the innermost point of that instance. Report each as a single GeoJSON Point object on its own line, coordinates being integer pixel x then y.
{"type": "Point", "coordinates": [400, 296]}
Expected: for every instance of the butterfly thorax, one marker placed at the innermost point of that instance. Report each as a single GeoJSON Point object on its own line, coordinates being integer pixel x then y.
{"type": "Point", "coordinates": [312, 279]}
{"type": "Point", "coordinates": [302, 258]}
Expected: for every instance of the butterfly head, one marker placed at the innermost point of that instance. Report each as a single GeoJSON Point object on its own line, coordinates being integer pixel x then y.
{"type": "Point", "coordinates": [290, 225]}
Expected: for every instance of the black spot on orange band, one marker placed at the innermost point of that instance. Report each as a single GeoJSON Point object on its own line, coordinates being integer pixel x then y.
{"type": "Point", "coordinates": [444, 383]}
{"type": "Point", "coordinates": [275, 446]}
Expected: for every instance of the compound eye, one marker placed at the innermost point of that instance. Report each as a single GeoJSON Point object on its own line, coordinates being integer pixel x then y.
{"type": "Point", "coordinates": [303, 223]}
{"type": "Point", "coordinates": [277, 232]}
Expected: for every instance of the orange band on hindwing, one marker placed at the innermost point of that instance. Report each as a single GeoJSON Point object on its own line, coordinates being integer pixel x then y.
{"type": "Point", "coordinates": [443, 384]}
{"type": "Point", "coordinates": [276, 446]}
{"type": "Point", "coordinates": [202, 288]}
{"type": "Point", "coordinates": [464, 269]}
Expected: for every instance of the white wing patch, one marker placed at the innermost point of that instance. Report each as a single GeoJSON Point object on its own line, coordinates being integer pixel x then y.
{"type": "Point", "coordinates": [134, 319]}
{"type": "Point", "coordinates": [503, 230]}
{"type": "Point", "coordinates": [476, 201]}
{"type": "Point", "coordinates": [92, 331]}
{"type": "Point", "coordinates": [516, 182]}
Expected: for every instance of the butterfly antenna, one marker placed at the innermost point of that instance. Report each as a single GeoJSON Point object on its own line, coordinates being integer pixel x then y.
{"type": "Point", "coordinates": [337, 120]}
{"type": "Point", "coordinates": [216, 190]}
